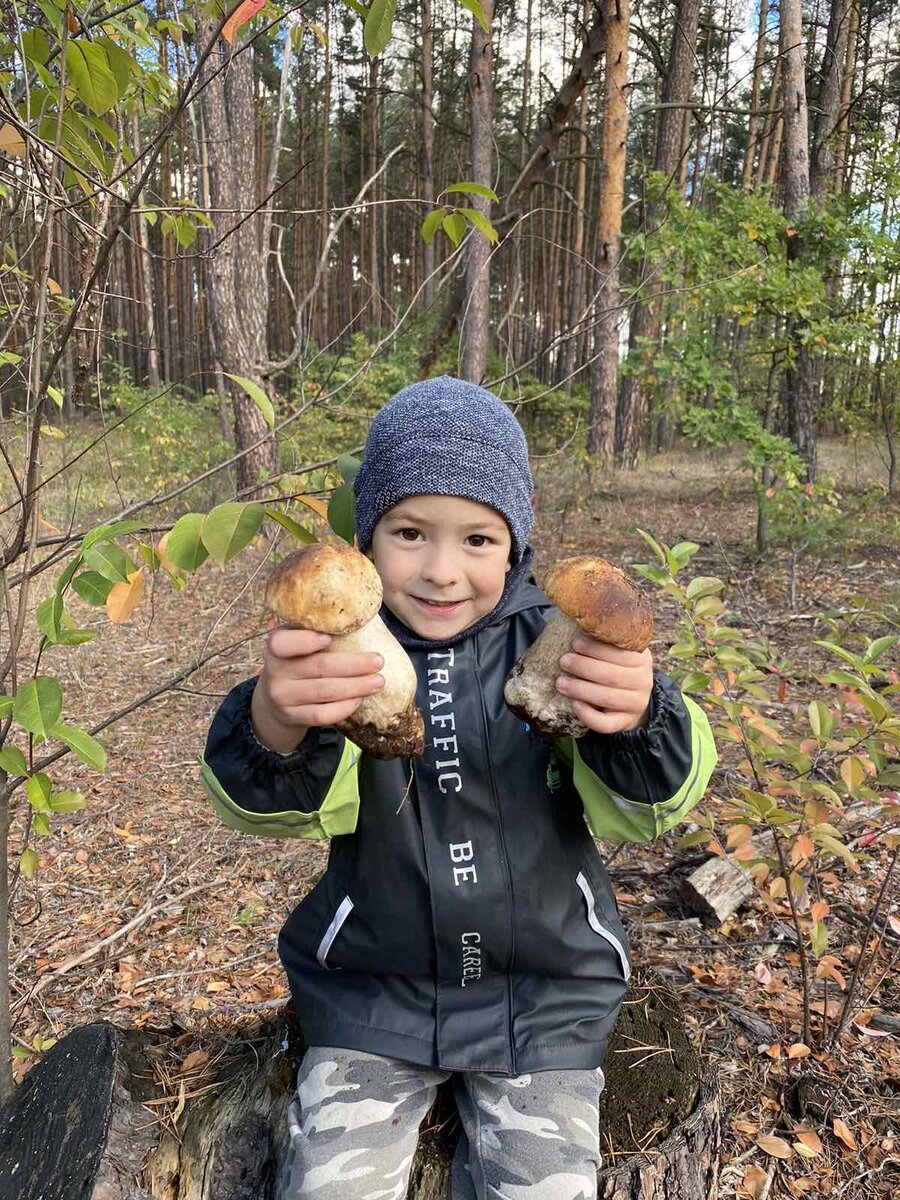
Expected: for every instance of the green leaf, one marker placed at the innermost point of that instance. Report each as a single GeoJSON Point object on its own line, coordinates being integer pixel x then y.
{"type": "Point", "coordinates": [454, 225]}
{"type": "Point", "coordinates": [854, 660]}
{"type": "Point", "coordinates": [472, 189]}
{"type": "Point", "coordinates": [432, 224]}
{"type": "Point", "coordinates": [683, 552]}
{"type": "Point", "coordinates": [348, 466]}
{"type": "Point", "coordinates": [86, 747]}
{"type": "Point", "coordinates": [66, 578]}
{"type": "Point", "coordinates": [55, 395]}
{"type": "Point", "coordinates": [228, 529]}
{"type": "Point", "coordinates": [37, 791]}
{"type": "Point", "coordinates": [477, 11]}
{"type": "Point", "coordinates": [378, 24]}
{"type": "Point", "coordinates": [13, 761]}
{"type": "Point", "coordinates": [480, 221]}
{"type": "Point", "coordinates": [37, 705]}
{"type": "Point", "coordinates": [185, 545]}
{"type": "Point", "coordinates": [88, 70]}
{"type": "Point", "coordinates": [119, 61]}
{"type": "Point", "coordinates": [258, 396]}
{"type": "Point", "coordinates": [818, 938]}
{"type": "Point", "coordinates": [703, 585]}
{"type": "Point", "coordinates": [6, 705]}
{"type": "Point", "coordinates": [294, 528]}
{"type": "Point", "coordinates": [654, 545]}
{"type": "Point", "coordinates": [695, 681]}
{"type": "Point", "coordinates": [35, 46]}
{"type": "Point", "coordinates": [28, 863]}
{"type": "Point", "coordinates": [66, 802]}
{"type": "Point", "coordinates": [821, 719]}
{"type": "Point", "coordinates": [40, 824]}
{"type": "Point", "coordinates": [106, 533]}
{"type": "Point", "coordinates": [879, 646]}
{"type": "Point", "coordinates": [110, 561]}
{"type": "Point", "coordinates": [340, 513]}
{"type": "Point", "coordinates": [48, 616]}
{"type": "Point", "coordinates": [92, 587]}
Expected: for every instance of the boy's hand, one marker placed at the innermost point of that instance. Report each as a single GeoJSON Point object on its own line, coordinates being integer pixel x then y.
{"type": "Point", "coordinates": [609, 688]}
{"type": "Point", "coordinates": [303, 684]}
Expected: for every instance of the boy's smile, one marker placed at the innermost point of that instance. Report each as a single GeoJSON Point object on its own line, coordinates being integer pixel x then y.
{"type": "Point", "coordinates": [443, 562]}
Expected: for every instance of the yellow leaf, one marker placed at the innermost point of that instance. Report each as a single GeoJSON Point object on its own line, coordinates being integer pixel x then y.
{"type": "Point", "coordinates": [53, 287]}
{"type": "Point", "coordinates": [217, 985]}
{"type": "Point", "coordinates": [852, 772]}
{"type": "Point", "coordinates": [775, 1146]}
{"type": "Point", "coordinates": [124, 598]}
{"type": "Point", "coordinates": [163, 556]}
{"type": "Point", "coordinates": [319, 507]}
{"type": "Point", "coordinates": [737, 835]}
{"type": "Point", "coordinates": [804, 1151]}
{"type": "Point", "coordinates": [200, 1004]}
{"type": "Point", "coordinates": [11, 141]}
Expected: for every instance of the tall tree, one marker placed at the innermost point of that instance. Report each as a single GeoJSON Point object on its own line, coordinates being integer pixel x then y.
{"type": "Point", "coordinates": [426, 153]}
{"type": "Point", "coordinates": [824, 176]}
{"type": "Point", "coordinates": [645, 317]}
{"type": "Point", "coordinates": [798, 391]}
{"type": "Point", "coordinates": [475, 331]}
{"type": "Point", "coordinates": [605, 369]}
{"type": "Point", "coordinates": [237, 276]}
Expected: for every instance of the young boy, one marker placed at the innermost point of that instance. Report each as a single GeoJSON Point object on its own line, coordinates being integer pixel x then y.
{"type": "Point", "coordinates": [465, 926]}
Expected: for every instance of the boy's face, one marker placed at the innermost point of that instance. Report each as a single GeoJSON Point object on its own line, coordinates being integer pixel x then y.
{"type": "Point", "coordinates": [442, 561]}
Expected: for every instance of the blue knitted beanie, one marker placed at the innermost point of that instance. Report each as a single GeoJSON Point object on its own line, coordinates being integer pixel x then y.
{"type": "Point", "coordinates": [445, 437]}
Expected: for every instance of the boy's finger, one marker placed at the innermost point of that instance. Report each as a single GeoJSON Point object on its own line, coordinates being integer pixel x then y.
{"type": "Point", "coordinates": [611, 699]}
{"type": "Point", "coordinates": [583, 643]}
{"type": "Point", "coordinates": [598, 670]}
{"type": "Point", "coordinates": [337, 665]}
{"type": "Point", "coordinates": [305, 692]}
{"type": "Point", "coordinates": [290, 643]}
{"type": "Point", "coordinates": [327, 714]}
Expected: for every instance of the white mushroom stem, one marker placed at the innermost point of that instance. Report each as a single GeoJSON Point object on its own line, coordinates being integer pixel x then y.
{"type": "Point", "coordinates": [531, 688]}
{"type": "Point", "coordinates": [399, 690]}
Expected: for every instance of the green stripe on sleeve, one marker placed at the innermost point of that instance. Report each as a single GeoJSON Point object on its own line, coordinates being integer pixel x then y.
{"type": "Point", "coordinates": [337, 815]}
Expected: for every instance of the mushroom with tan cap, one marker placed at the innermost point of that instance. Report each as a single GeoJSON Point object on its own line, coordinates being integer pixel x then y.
{"type": "Point", "coordinates": [592, 597]}
{"type": "Point", "coordinates": [336, 590]}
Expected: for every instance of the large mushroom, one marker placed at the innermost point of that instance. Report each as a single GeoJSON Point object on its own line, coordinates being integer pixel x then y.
{"type": "Point", "coordinates": [592, 597]}
{"type": "Point", "coordinates": [336, 590]}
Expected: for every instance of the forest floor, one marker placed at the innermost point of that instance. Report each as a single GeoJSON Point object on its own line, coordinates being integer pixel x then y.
{"type": "Point", "coordinates": [147, 911]}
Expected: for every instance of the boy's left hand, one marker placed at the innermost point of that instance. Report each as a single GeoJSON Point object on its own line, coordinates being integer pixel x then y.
{"type": "Point", "coordinates": [609, 688]}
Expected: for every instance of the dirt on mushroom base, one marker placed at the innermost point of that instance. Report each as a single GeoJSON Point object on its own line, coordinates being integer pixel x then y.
{"type": "Point", "coordinates": [194, 961]}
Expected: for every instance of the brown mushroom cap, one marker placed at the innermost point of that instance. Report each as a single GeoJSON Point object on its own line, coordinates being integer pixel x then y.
{"type": "Point", "coordinates": [330, 588]}
{"type": "Point", "coordinates": [602, 600]}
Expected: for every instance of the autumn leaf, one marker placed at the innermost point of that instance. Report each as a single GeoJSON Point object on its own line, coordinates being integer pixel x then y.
{"type": "Point", "coordinates": [755, 1183]}
{"type": "Point", "coordinates": [777, 1147]}
{"type": "Point", "coordinates": [798, 1050]}
{"type": "Point", "coordinates": [810, 1139]}
{"type": "Point", "coordinates": [124, 598]}
{"type": "Point", "coordinates": [240, 16]}
{"type": "Point", "coordinates": [164, 559]}
{"type": "Point", "coordinates": [843, 1134]}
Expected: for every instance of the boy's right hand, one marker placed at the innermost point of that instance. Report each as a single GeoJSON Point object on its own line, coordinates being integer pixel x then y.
{"type": "Point", "coordinates": [303, 684]}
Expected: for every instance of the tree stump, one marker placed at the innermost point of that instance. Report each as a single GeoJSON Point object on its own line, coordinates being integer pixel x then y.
{"type": "Point", "coordinates": [151, 1115]}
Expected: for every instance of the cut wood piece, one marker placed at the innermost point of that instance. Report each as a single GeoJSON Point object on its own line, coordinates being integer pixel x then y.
{"type": "Point", "coordinates": [89, 1123]}
{"type": "Point", "coordinates": [719, 886]}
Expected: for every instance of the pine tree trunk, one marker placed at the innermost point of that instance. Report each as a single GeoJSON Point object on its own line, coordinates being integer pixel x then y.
{"type": "Point", "coordinates": [799, 382]}
{"type": "Point", "coordinates": [237, 278]}
{"type": "Point", "coordinates": [646, 314]}
{"type": "Point", "coordinates": [605, 372]}
{"type": "Point", "coordinates": [476, 317]}
{"type": "Point", "coordinates": [426, 156]}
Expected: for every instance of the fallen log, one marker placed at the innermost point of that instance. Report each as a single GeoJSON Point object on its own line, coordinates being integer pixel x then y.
{"type": "Point", "coordinates": [113, 1114]}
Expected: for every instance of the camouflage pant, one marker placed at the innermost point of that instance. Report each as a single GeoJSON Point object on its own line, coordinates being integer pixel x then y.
{"type": "Point", "coordinates": [355, 1118]}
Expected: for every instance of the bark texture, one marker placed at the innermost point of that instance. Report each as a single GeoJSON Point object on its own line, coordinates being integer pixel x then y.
{"type": "Point", "coordinates": [608, 315]}
{"type": "Point", "coordinates": [475, 332]}
{"type": "Point", "coordinates": [237, 279]}
{"type": "Point", "coordinates": [645, 322]}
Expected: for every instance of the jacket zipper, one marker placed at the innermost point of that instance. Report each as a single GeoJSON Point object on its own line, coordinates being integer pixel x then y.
{"type": "Point", "coordinates": [509, 888]}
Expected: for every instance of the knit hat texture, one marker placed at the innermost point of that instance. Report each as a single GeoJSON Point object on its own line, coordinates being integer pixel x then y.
{"type": "Point", "coordinates": [445, 437]}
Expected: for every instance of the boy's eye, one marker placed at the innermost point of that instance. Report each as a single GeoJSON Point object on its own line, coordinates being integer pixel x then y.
{"type": "Point", "coordinates": [409, 534]}
{"type": "Point", "coordinates": [478, 539]}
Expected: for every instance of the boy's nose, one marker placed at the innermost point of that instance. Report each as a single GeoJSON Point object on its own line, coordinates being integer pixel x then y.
{"type": "Point", "coordinates": [441, 569]}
